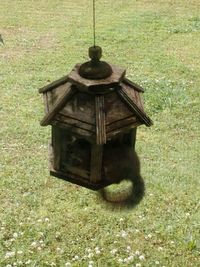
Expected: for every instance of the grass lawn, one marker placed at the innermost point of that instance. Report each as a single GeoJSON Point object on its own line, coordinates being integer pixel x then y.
{"type": "Point", "coordinates": [45, 221]}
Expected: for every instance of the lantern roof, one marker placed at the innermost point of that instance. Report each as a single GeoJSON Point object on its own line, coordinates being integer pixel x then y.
{"type": "Point", "coordinates": [95, 109]}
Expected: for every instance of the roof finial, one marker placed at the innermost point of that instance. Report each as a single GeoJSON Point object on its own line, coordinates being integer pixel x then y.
{"type": "Point", "coordinates": [95, 69]}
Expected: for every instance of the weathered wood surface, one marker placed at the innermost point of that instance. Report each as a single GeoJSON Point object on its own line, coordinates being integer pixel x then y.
{"type": "Point", "coordinates": [82, 83]}
{"type": "Point", "coordinates": [123, 129]}
{"type": "Point", "coordinates": [100, 120]}
{"type": "Point", "coordinates": [133, 85]}
{"type": "Point", "coordinates": [96, 163]}
{"type": "Point", "coordinates": [53, 85]}
{"type": "Point", "coordinates": [117, 125]}
{"type": "Point", "coordinates": [78, 171]}
{"type": "Point", "coordinates": [115, 109]}
{"type": "Point", "coordinates": [57, 139]}
{"type": "Point", "coordinates": [73, 122]}
{"type": "Point", "coordinates": [134, 95]}
{"type": "Point", "coordinates": [58, 105]}
{"type": "Point", "coordinates": [74, 130]}
{"type": "Point", "coordinates": [133, 106]}
{"type": "Point", "coordinates": [81, 107]}
{"type": "Point", "coordinates": [78, 180]}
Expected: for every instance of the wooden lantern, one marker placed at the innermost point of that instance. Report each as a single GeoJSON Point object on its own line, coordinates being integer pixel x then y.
{"type": "Point", "coordinates": [92, 108]}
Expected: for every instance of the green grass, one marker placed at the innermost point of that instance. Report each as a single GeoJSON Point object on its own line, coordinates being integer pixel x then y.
{"type": "Point", "coordinates": [48, 222]}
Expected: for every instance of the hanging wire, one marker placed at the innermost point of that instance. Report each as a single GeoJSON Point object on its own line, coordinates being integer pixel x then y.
{"type": "Point", "coordinates": [94, 23]}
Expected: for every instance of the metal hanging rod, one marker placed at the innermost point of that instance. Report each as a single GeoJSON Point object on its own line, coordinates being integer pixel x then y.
{"type": "Point", "coordinates": [94, 23]}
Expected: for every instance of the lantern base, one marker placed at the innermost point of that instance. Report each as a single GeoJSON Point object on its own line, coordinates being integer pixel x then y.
{"type": "Point", "coordinates": [78, 180]}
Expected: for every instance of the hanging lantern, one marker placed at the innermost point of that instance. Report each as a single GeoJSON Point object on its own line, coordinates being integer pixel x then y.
{"type": "Point", "coordinates": [91, 110]}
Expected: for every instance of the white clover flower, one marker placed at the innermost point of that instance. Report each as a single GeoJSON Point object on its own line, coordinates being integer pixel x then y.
{"type": "Point", "coordinates": [121, 219]}
{"type": "Point", "coordinates": [8, 265]}
{"type": "Point", "coordinates": [58, 249]}
{"type": "Point", "coordinates": [88, 250]}
{"type": "Point", "coordinates": [15, 235]}
{"type": "Point", "coordinates": [90, 255]}
{"type": "Point", "coordinates": [97, 250]}
{"type": "Point", "coordinates": [120, 260]}
{"type": "Point", "coordinates": [19, 252]}
{"type": "Point", "coordinates": [137, 253]}
{"type": "Point", "coordinates": [142, 257]}
{"type": "Point", "coordinates": [123, 234]}
{"type": "Point", "coordinates": [76, 257]}
{"type": "Point", "coordinates": [34, 244]}
{"type": "Point", "coordinates": [68, 264]}
{"type": "Point", "coordinates": [90, 263]}
{"type": "Point", "coordinates": [39, 248]}
{"type": "Point", "coordinates": [46, 219]}
{"type": "Point", "coordinates": [157, 262]}
{"type": "Point", "coordinates": [9, 254]}
{"type": "Point", "coordinates": [160, 248]}
{"type": "Point", "coordinates": [128, 248]}
{"type": "Point", "coordinates": [149, 236]}
{"type": "Point", "coordinates": [113, 251]}
{"type": "Point", "coordinates": [28, 262]}
{"type": "Point", "coordinates": [138, 265]}
{"type": "Point", "coordinates": [130, 258]}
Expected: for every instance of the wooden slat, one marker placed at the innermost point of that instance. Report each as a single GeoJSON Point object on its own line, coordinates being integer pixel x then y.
{"type": "Point", "coordinates": [78, 171]}
{"type": "Point", "coordinates": [100, 120]}
{"type": "Point", "coordinates": [123, 129]}
{"type": "Point", "coordinates": [134, 85]}
{"type": "Point", "coordinates": [96, 163]}
{"type": "Point", "coordinates": [75, 122]}
{"type": "Point", "coordinates": [81, 107]}
{"type": "Point", "coordinates": [58, 105]}
{"type": "Point", "coordinates": [121, 123]}
{"type": "Point", "coordinates": [56, 146]}
{"type": "Point", "coordinates": [53, 85]}
{"type": "Point", "coordinates": [134, 95]}
{"type": "Point", "coordinates": [73, 129]}
{"type": "Point", "coordinates": [115, 109]}
{"type": "Point", "coordinates": [133, 106]}
{"type": "Point", "coordinates": [114, 79]}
